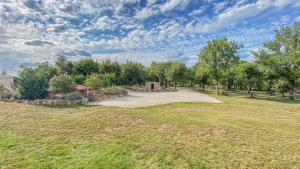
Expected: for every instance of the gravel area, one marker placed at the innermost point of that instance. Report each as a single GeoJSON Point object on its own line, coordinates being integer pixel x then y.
{"type": "Point", "coordinates": [144, 99]}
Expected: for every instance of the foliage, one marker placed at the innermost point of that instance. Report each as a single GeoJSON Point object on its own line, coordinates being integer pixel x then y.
{"type": "Point", "coordinates": [63, 65]}
{"type": "Point", "coordinates": [62, 84]}
{"type": "Point", "coordinates": [109, 67]}
{"type": "Point", "coordinates": [219, 57]}
{"type": "Point", "coordinates": [78, 79]}
{"type": "Point", "coordinates": [282, 55]}
{"type": "Point", "coordinates": [33, 82]}
{"type": "Point", "coordinates": [132, 73]}
{"type": "Point", "coordinates": [108, 79]}
{"type": "Point", "coordinates": [93, 82]}
{"type": "Point", "coordinates": [85, 67]}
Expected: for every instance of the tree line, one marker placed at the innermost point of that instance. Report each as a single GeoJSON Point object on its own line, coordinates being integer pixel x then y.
{"type": "Point", "coordinates": [276, 68]}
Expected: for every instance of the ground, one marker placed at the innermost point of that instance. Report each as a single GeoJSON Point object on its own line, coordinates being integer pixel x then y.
{"type": "Point", "coordinates": [238, 133]}
{"type": "Point", "coordinates": [143, 99]}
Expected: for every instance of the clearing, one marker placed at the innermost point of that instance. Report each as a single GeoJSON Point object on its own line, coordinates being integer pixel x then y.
{"type": "Point", "coordinates": [143, 99]}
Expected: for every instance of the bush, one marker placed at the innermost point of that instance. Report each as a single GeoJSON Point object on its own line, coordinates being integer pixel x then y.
{"type": "Point", "coordinates": [33, 83]}
{"type": "Point", "coordinates": [93, 82]}
{"type": "Point", "coordinates": [78, 79]}
{"type": "Point", "coordinates": [107, 79]}
{"type": "Point", "coordinates": [62, 84]}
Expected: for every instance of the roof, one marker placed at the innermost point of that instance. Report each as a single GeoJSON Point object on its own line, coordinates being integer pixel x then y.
{"type": "Point", "coordinates": [81, 87]}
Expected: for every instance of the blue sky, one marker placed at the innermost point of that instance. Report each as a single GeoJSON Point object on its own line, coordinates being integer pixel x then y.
{"type": "Point", "coordinates": [142, 30]}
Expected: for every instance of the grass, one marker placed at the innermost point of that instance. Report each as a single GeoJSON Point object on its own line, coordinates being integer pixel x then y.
{"type": "Point", "coordinates": [238, 133]}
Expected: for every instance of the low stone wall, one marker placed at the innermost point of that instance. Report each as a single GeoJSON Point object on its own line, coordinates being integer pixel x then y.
{"type": "Point", "coordinates": [54, 102]}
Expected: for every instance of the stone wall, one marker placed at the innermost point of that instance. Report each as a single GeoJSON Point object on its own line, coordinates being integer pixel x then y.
{"type": "Point", "coordinates": [52, 102]}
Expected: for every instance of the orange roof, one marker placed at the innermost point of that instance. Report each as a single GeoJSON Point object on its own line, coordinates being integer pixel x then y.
{"type": "Point", "coordinates": [81, 87]}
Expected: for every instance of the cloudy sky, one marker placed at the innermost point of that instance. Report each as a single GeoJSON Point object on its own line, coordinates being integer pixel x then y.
{"type": "Point", "coordinates": [143, 30]}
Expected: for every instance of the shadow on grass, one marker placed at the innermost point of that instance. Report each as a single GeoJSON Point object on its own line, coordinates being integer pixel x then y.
{"type": "Point", "coordinates": [266, 97]}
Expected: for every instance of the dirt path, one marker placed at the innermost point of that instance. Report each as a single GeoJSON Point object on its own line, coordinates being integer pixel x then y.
{"type": "Point", "coordinates": [143, 99]}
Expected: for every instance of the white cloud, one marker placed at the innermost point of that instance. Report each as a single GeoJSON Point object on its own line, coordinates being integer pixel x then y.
{"type": "Point", "coordinates": [172, 4]}
{"type": "Point", "coordinates": [236, 13]}
{"type": "Point", "coordinates": [146, 13]}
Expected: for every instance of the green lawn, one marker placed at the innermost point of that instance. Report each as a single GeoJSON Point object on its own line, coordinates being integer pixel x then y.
{"type": "Point", "coordinates": [238, 133]}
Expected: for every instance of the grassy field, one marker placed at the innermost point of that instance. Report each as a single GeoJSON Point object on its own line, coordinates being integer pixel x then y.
{"type": "Point", "coordinates": [238, 133]}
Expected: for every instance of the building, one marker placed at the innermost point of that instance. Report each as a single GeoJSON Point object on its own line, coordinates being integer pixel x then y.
{"type": "Point", "coordinates": [8, 82]}
{"type": "Point", "coordinates": [153, 87]}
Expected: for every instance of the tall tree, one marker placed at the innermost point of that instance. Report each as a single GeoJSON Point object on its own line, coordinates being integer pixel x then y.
{"type": "Point", "coordinates": [63, 66]}
{"type": "Point", "coordinates": [283, 54]}
{"type": "Point", "coordinates": [86, 67]}
{"type": "Point", "coordinates": [111, 68]}
{"type": "Point", "coordinates": [219, 56]}
{"type": "Point", "coordinates": [132, 73]}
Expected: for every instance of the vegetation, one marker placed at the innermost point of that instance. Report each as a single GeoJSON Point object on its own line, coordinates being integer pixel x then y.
{"type": "Point", "coordinates": [33, 83]}
{"type": "Point", "coordinates": [93, 82]}
{"type": "Point", "coordinates": [276, 69]}
{"type": "Point", "coordinates": [62, 84]}
{"type": "Point", "coordinates": [238, 133]}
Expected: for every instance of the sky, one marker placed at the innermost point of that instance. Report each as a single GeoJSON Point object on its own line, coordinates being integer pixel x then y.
{"type": "Point", "coordinates": [140, 30]}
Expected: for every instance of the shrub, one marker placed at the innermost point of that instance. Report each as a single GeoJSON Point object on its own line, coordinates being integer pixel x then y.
{"type": "Point", "coordinates": [107, 79]}
{"type": "Point", "coordinates": [93, 82]}
{"type": "Point", "coordinates": [62, 84]}
{"type": "Point", "coordinates": [78, 79]}
{"type": "Point", "coordinates": [33, 83]}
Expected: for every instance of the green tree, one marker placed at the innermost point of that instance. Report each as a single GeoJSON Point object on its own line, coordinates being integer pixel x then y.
{"type": "Point", "coordinates": [85, 67]}
{"type": "Point", "coordinates": [109, 67]}
{"type": "Point", "coordinates": [108, 79]}
{"type": "Point", "coordinates": [158, 71]}
{"type": "Point", "coordinates": [132, 73]}
{"type": "Point", "coordinates": [93, 82]}
{"type": "Point", "coordinates": [33, 83]}
{"type": "Point", "coordinates": [78, 79]}
{"type": "Point", "coordinates": [252, 74]}
{"type": "Point", "coordinates": [219, 56]}
{"type": "Point", "coordinates": [62, 84]}
{"type": "Point", "coordinates": [63, 66]}
{"type": "Point", "coordinates": [283, 54]}
{"type": "Point", "coordinates": [176, 72]}
{"type": "Point", "coordinates": [202, 74]}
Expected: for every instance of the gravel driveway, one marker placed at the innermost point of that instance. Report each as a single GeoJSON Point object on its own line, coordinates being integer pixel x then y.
{"type": "Point", "coordinates": [143, 99]}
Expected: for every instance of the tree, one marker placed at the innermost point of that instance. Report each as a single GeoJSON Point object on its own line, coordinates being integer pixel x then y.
{"type": "Point", "coordinates": [33, 83]}
{"type": "Point", "coordinates": [158, 70]}
{"type": "Point", "coordinates": [63, 66]}
{"type": "Point", "coordinates": [283, 54]}
{"type": "Point", "coordinates": [252, 74]}
{"type": "Point", "coordinates": [93, 82]}
{"type": "Point", "coordinates": [108, 79]}
{"type": "Point", "coordinates": [78, 79]}
{"type": "Point", "coordinates": [218, 57]}
{"type": "Point", "coordinates": [109, 67]}
{"type": "Point", "coordinates": [62, 84]}
{"type": "Point", "coordinates": [202, 74]}
{"type": "Point", "coordinates": [175, 72]}
{"type": "Point", "coordinates": [132, 73]}
{"type": "Point", "coordinates": [85, 67]}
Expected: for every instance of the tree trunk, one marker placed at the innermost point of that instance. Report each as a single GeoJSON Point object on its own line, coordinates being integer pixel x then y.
{"type": "Point", "coordinates": [293, 92]}
{"type": "Point", "coordinates": [203, 87]}
{"type": "Point", "coordinates": [218, 87]}
{"type": "Point", "coordinates": [175, 85]}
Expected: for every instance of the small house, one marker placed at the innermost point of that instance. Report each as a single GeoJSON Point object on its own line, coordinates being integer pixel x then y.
{"type": "Point", "coordinates": [153, 87]}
